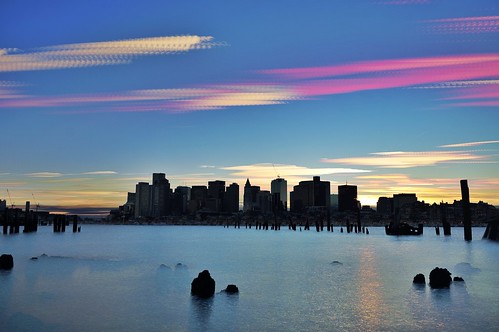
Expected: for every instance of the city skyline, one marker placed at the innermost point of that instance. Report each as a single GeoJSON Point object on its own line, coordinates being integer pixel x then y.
{"type": "Point", "coordinates": [390, 96]}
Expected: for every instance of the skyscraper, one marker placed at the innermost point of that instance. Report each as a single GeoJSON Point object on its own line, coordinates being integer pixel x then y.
{"type": "Point", "coordinates": [309, 194]}
{"type": "Point", "coordinates": [279, 189]}
{"type": "Point", "coordinates": [142, 199]}
{"type": "Point", "coordinates": [347, 198]}
{"type": "Point", "coordinates": [160, 195]}
{"type": "Point", "coordinates": [231, 198]}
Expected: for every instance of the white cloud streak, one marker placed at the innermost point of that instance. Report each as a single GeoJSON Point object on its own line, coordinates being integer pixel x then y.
{"type": "Point", "coordinates": [98, 53]}
{"type": "Point", "coordinates": [469, 144]}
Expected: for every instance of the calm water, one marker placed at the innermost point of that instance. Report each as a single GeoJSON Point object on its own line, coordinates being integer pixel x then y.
{"type": "Point", "coordinates": [110, 278]}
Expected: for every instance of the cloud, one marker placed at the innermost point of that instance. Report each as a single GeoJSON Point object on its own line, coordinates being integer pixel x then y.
{"type": "Point", "coordinates": [474, 25]}
{"type": "Point", "coordinates": [404, 2]}
{"type": "Point", "coordinates": [280, 86]}
{"type": "Point", "coordinates": [100, 173]}
{"type": "Point", "coordinates": [469, 144]}
{"type": "Point", "coordinates": [45, 175]}
{"type": "Point", "coordinates": [402, 159]}
{"type": "Point", "coordinates": [268, 170]}
{"type": "Point", "coordinates": [98, 53]}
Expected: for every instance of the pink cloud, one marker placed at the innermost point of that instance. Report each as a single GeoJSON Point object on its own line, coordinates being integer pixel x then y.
{"type": "Point", "coordinates": [475, 24]}
{"type": "Point", "coordinates": [380, 66]}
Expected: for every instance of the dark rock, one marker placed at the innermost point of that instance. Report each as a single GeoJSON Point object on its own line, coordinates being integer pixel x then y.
{"type": "Point", "coordinates": [419, 279]}
{"type": "Point", "coordinates": [232, 289]}
{"type": "Point", "coordinates": [34, 258]}
{"type": "Point", "coordinates": [336, 263]}
{"type": "Point", "coordinates": [180, 266]}
{"type": "Point", "coordinates": [204, 285]}
{"type": "Point", "coordinates": [164, 267]}
{"type": "Point", "coordinates": [440, 278]}
{"type": "Point", "coordinates": [458, 279]}
{"type": "Point", "coordinates": [6, 262]}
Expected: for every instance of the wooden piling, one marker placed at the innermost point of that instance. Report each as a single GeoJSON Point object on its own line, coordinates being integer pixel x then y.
{"type": "Point", "coordinates": [465, 195]}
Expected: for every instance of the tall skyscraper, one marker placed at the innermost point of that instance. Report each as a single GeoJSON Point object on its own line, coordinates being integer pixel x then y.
{"type": "Point", "coordinates": [142, 199]}
{"type": "Point", "coordinates": [279, 189]}
{"type": "Point", "coordinates": [347, 198]}
{"type": "Point", "coordinates": [216, 191]}
{"type": "Point", "coordinates": [161, 195]}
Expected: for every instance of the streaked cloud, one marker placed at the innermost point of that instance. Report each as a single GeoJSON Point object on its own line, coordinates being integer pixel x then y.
{"type": "Point", "coordinates": [473, 24]}
{"type": "Point", "coordinates": [400, 159]}
{"type": "Point", "coordinates": [278, 86]}
{"type": "Point", "coordinates": [45, 175]}
{"type": "Point", "coordinates": [100, 173]}
{"type": "Point", "coordinates": [271, 171]}
{"type": "Point", "coordinates": [404, 2]}
{"type": "Point", "coordinates": [468, 144]}
{"type": "Point", "coordinates": [98, 53]}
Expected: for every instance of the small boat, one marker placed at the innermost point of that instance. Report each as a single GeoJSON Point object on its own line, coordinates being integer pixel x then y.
{"type": "Point", "coordinates": [403, 229]}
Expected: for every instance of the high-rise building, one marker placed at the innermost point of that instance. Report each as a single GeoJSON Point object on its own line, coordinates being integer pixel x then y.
{"type": "Point", "coordinates": [263, 201]}
{"type": "Point", "coordinates": [347, 198]}
{"type": "Point", "coordinates": [279, 191]}
{"type": "Point", "coordinates": [142, 200]}
{"type": "Point", "coordinates": [160, 195]}
{"type": "Point", "coordinates": [181, 197]}
{"type": "Point", "coordinates": [250, 196]}
{"type": "Point", "coordinates": [216, 191]}
{"type": "Point", "coordinates": [308, 194]}
{"type": "Point", "coordinates": [231, 199]}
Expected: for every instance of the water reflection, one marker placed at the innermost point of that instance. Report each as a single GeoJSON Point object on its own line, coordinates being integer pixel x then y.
{"type": "Point", "coordinates": [370, 302]}
{"type": "Point", "coordinates": [201, 311]}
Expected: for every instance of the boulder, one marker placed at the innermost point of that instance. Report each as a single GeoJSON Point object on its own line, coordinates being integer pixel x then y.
{"type": "Point", "coordinates": [440, 278]}
{"type": "Point", "coordinates": [232, 289]}
{"type": "Point", "coordinates": [6, 262]}
{"type": "Point", "coordinates": [419, 279]}
{"type": "Point", "coordinates": [458, 279]}
{"type": "Point", "coordinates": [203, 286]}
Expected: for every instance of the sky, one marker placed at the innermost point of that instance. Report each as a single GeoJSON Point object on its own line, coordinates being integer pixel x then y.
{"type": "Point", "coordinates": [394, 96]}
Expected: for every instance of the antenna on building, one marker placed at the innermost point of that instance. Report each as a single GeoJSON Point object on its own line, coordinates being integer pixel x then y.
{"type": "Point", "coordinates": [275, 171]}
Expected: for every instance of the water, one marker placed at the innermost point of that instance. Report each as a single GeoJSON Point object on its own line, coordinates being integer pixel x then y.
{"type": "Point", "coordinates": [111, 278]}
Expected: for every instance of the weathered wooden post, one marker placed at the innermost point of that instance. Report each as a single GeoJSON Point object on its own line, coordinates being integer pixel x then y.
{"type": "Point", "coordinates": [465, 195]}
{"type": "Point", "coordinates": [75, 223]}
{"type": "Point", "coordinates": [443, 216]}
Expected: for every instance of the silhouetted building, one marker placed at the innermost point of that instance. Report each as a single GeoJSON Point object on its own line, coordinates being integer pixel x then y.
{"type": "Point", "coordinates": [307, 194]}
{"type": "Point", "coordinates": [199, 195]}
{"type": "Point", "coordinates": [384, 206]}
{"type": "Point", "coordinates": [399, 200]}
{"type": "Point", "coordinates": [3, 205]}
{"type": "Point", "coordinates": [181, 197]}
{"type": "Point", "coordinates": [279, 192]}
{"type": "Point", "coordinates": [142, 200]}
{"type": "Point", "coordinates": [263, 201]}
{"type": "Point", "coordinates": [231, 199]}
{"type": "Point", "coordinates": [160, 195]}
{"type": "Point", "coordinates": [334, 202]}
{"type": "Point", "coordinates": [347, 198]}
{"type": "Point", "coordinates": [216, 191]}
{"type": "Point", "coordinates": [250, 196]}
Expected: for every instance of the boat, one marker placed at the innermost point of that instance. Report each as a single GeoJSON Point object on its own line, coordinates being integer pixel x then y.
{"type": "Point", "coordinates": [403, 229]}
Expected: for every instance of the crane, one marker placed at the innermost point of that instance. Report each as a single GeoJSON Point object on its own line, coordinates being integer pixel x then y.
{"type": "Point", "coordinates": [36, 202]}
{"type": "Point", "coordinates": [10, 199]}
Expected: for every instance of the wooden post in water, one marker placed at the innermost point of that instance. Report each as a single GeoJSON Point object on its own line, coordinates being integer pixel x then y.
{"type": "Point", "coordinates": [75, 223]}
{"type": "Point", "coordinates": [465, 195]}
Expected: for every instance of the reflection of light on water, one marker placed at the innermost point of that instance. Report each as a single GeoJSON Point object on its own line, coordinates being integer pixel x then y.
{"type": "Point", "coordinates": [370, 303]}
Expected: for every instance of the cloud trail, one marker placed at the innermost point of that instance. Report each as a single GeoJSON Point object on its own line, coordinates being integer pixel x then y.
{"type": "Point", "coordinates": [474, 25]}
{"type": "Point", "coordinates": [280, 86]}
{"type": "Point", "coordinates": [468, 144]}
{"type": "Point", "coordinates": [98, 53]}
{"type": "Point", "coordinates": [400, 159]}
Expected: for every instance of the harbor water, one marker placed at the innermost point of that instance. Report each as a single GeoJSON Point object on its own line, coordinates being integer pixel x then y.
{"type": "Point", "coordinates": [138, 278]}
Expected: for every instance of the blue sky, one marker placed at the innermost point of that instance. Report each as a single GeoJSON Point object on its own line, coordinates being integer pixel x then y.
{"type": "Point", "coordinates": [394, 96]}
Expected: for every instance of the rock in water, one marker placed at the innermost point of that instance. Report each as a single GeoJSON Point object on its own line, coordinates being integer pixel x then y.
{"type": "Point", "coordinates": [440, 278]}
{"type": "Point", "coordinates": [458, 279]}
{"type": "Point", "coordinates": [6, 262]}
{"type": "Point", "coordinates": [419, 279]}
{"type": "Point", "coordinates": [232, 289]}
{"type": "Point", "coordinates": [204, 285]}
